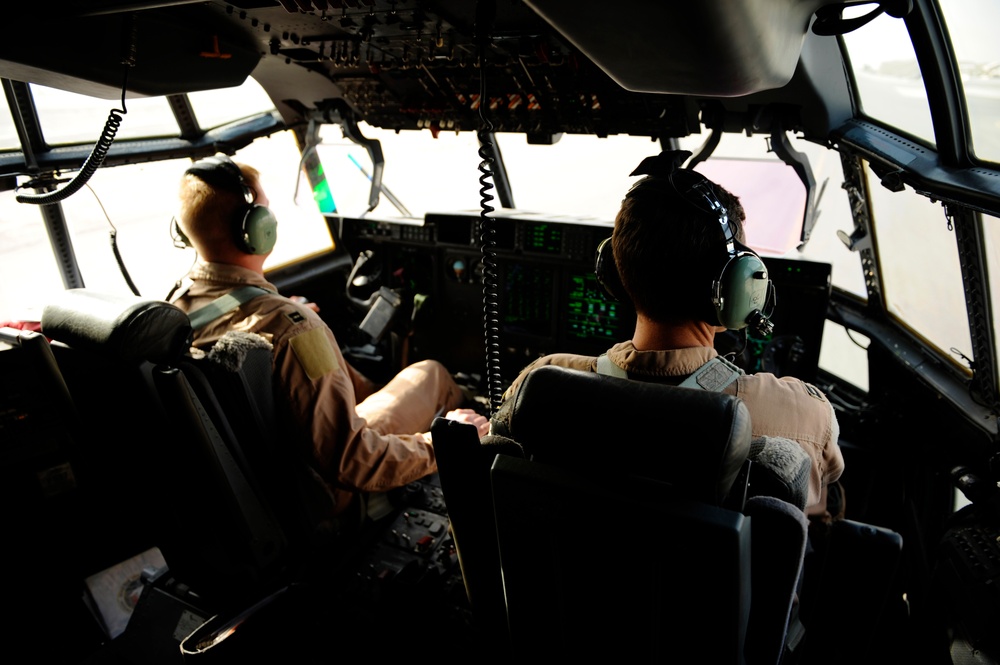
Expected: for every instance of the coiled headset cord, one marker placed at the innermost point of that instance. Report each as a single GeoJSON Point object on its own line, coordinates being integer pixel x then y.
{"type": "Point", "coordinates": [103, 145]}
{"type": "Point", "coordinates": [97, 155]}
{"type": "Point", "coordinates": [485, 12]}
{"type": "Point", "coordinates": [89, 167]}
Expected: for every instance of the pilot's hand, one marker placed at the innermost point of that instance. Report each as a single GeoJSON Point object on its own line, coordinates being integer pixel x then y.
{"type": "Point", "coordinates": [302, 300]}
{"type": "Point", "coordinates": [470, 416]}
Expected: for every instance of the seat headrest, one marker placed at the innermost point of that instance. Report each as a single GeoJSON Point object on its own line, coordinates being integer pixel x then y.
{"type": "Point", "coordinates": [693, 439]}
{"type": "Point", "coordinates": [123, 327]}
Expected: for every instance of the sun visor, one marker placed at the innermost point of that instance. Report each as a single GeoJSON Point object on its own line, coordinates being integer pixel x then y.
{"type": "Point", "coordinates": [192, 48]}
{"type": "Point", "coordinates": [719, 48]}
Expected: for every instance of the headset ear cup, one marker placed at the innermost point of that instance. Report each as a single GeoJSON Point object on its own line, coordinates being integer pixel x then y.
{"type": "Point", "coordinates": [741, 290]}
{"type": "Point", "coordinates": [259, 231]}
{"type": "Point", "coordinates": [606, 271]}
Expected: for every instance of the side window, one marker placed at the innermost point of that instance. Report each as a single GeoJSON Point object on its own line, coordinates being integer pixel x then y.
{"type": "Point", "coordinates": [845, 354]}
{"type": "Point", "coordinates": [137, 203]}
{"type": "Point", "coordinates": [140, 201]}
{"type": "Point", "coordinates": [971, 24]}
{"type": "Point", "coordinates": [889, 83]}
{"type": "Point", "coordinates": [920, 270]}
{"type": "Point", "coordinates": [68, 117]}
{"type": "Point", "coordinates": [774, 199]}
{"type": "Point", "coordinates": [991, 233]}
{"type": "Point", "coordinates": [28, 271]}
{"type": "Point", "coordinates": [8, 135]}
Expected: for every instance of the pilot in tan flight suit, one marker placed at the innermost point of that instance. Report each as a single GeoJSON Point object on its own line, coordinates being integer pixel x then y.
{"type": "Point", "coordinates": [668, 249]}
{"type": "Point", "coordinates": [363, 440]}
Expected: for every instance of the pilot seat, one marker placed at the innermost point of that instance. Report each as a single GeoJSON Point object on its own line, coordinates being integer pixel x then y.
{"type": "Point", "coordinates": [239, 516]}
{"type": "Point", "coordinates": [611, 516]}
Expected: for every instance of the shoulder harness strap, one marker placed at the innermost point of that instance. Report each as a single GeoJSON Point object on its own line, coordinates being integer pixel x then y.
{"type": "Point", "coordinates": [608, 368]}
{"type": "Point", "coordinates": [714, 375]}
{"type": "Point", "coordinates": [224, 304]}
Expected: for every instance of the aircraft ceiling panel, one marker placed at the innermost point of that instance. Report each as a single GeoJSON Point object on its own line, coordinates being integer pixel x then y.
{"type": "Point", "coordinates": [426, 64]}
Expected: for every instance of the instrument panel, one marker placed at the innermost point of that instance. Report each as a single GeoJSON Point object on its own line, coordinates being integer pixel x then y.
{"type": "Point", "coordinates": [530, 278]}
{"type": "Point", "coordinates": [547, 298]}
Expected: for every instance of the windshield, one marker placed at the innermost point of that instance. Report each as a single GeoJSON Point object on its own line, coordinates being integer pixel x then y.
{"type": "Point", "coordinates": [586, 177]}
{"type": "Point", "coordinates": [136, 203]}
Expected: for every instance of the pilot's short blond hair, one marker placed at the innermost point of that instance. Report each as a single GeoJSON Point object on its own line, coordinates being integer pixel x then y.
{"type": "Point", "coordinates": [210, 216]}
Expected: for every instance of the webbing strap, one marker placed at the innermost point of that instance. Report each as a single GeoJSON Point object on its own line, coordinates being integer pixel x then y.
{"type": "Point", "coordinates": [608, 368]}
{"type": "Point", "coordinates": [224, 304]}
{"type": "Point", "coordinates": [714, 375]}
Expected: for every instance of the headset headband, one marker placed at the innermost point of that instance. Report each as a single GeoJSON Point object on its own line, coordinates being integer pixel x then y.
{"type": "Point", "coordinates": [692, 187]}
{"type": "Point", "coordinates": [222, 172]}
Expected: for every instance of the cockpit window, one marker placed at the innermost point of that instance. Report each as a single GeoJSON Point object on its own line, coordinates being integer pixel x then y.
{"type": "Point", "coordinates": [991, 234]}
{"type": "Point", "coordinates": [8, 135]}
{"type": "Point", "coordinates": [582, 176]}
{"type": "Point", "coordinates": [972, 26]}
{"type": "Point", "coordinates": [68, 117]}
{"type": "Point", "coordinates": [137, 203]}
{"type": "Point", "coordinates": [888, 79]}
{"type": "Point", "coordinates": [302, 230]}
{"type": "Point", "coordinates": [775, 199]}
{"type": "Point", "coordinates": [143, 116]}
{"type": "Point", "coordinates": [577, 176]}
{"type": "Point", "coordinates": [218, 107]}
{"type": "Point", "coordinates": [913, 231]}
{"type": "Point", "coordinates": [421, 173]}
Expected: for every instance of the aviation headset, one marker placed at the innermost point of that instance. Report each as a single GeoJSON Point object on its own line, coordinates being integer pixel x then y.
{"type": "Point", "coordinates": [256, 228]}
{"type": "Point", "coordinates": [741, 290]}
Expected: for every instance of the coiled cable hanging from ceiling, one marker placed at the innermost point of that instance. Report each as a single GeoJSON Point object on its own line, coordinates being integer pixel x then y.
{"type": "Point", "coordinates": [485, 11]}
{"type": "Point", "coordinates": [103, 145]}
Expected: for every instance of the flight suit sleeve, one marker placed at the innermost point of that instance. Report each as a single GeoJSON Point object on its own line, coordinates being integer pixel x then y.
{"type": "Point", "coordinates": [796, 410]}
{"type": "Point", "coordinates": [318, 388]}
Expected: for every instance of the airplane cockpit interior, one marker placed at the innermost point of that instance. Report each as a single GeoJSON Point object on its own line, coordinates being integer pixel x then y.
{"type": "Point", "coordinates": [445, 174]}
